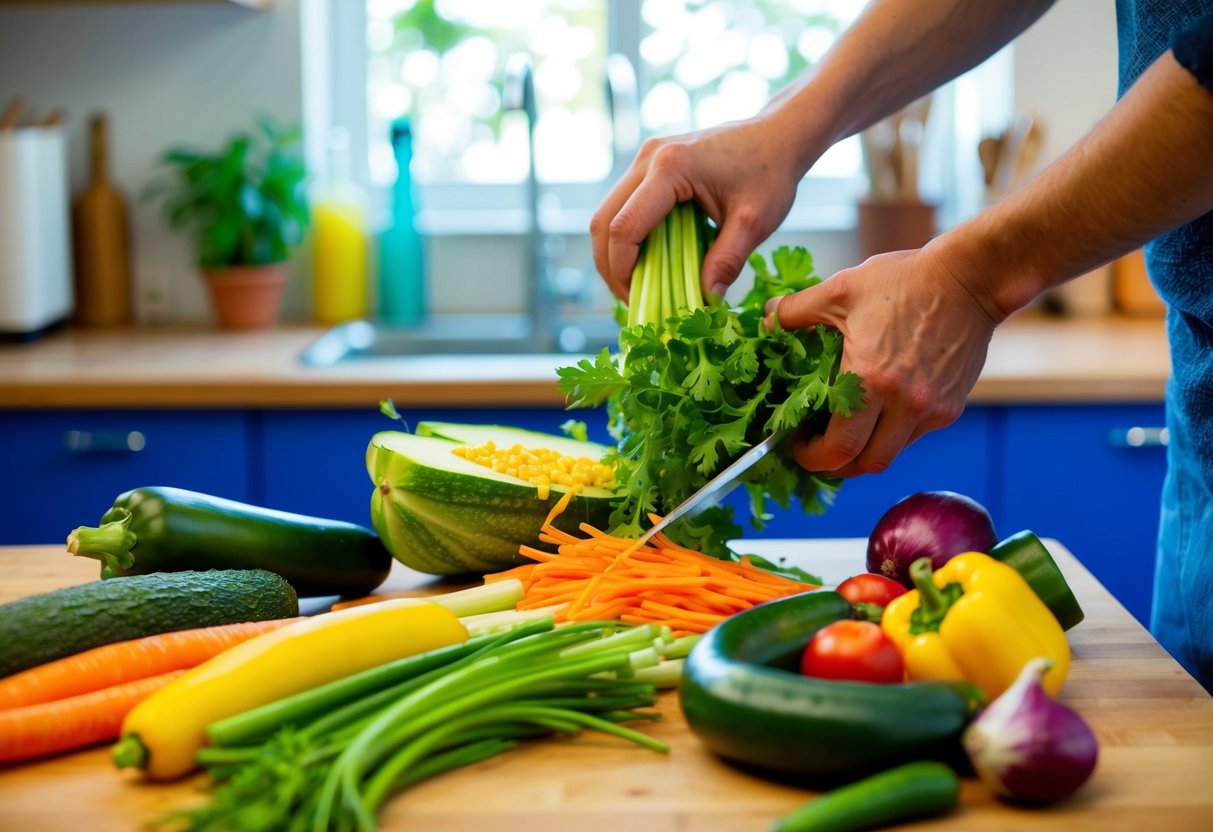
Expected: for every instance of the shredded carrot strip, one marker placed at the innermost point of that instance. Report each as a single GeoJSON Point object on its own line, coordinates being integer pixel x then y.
{"type": "Point", "coordinates": [597, 576]}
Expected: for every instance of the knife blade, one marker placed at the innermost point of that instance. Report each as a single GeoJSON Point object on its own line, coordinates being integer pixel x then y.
{"type": "Point", "coordinates": [718, 487]}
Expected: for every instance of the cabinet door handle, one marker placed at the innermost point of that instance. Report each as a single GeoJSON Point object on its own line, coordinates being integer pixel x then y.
{"type": "Point", "coordinates": [1139, 437]}
{"type": "Point", "coordinates": [105, 441]}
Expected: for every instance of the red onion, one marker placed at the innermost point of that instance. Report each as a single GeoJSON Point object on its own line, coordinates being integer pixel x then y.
{"type": "Point", "coordinates": [1029, 747]}
{"type": "Point", "coordinates": [934, 524]}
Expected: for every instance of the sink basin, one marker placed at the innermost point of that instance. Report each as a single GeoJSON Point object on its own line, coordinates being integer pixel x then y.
{"type": "Point", "coordinates": [466, 335]}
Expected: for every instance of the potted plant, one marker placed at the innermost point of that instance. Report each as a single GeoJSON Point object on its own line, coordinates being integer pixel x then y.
{"type": "Point", "coordinates": [246, 210]}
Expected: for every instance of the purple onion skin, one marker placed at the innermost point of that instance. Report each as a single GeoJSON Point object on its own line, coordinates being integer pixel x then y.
{"type": "Point", "coordinates": [934, 524]}
{"type": "Point", "coordinates": [1028, 747]}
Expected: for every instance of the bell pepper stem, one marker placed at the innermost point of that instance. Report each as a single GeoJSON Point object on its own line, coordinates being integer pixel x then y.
{"type": "Point", "coordinates": [933, 602]}
{"type": "Point", "coordinates": [867, 611]}
{"type": "Point", "coordinates": [110, 543]}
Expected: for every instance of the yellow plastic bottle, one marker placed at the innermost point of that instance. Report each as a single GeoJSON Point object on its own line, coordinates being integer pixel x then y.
{"type": "Point", "coordinates": [340, 238]}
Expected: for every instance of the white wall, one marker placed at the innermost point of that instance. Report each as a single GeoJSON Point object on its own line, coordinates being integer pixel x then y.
{"type": "Point", "coordinates": [171, 73]}
{"type": "Point", "coordinates": [1065, 71]}
{"type": "Point", "coordinates": [167, 74]}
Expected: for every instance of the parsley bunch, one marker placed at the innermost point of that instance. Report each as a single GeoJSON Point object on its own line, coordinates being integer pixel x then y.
{"type": "Point", "coordinates": [696, 384]}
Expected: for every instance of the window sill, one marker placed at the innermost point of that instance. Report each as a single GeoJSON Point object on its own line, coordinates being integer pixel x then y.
{"type": "Point", "coordinates": [515, 222]}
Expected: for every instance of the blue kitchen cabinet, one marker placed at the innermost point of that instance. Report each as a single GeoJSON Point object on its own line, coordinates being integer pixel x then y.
{"type": "Point", "coordinates": [314, 462]}
{"type": "Point", "coordinates": [1083, 475]}
{"type": "Point", "coordinates": [956, 459]}
{"type": "Point", "coordinates": [62, 469]}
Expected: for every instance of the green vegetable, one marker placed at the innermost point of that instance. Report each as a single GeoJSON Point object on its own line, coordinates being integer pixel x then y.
{"type": "Point", "coordinates": [333, 767]}
{"type": "Point", "coordinates": [698, 382]}
{"type": "Point", "coordinates": [42, 628]}
{"type": "Point", "coordinates": [909, 792]}
{"type": "Point", "coordinates": [173, 530]}
{"type": "Point", "coordinates": [743, 698]}
{"type": "Point", "coordinates": [1030, 558]}
{"type": "Point", "coordinates": [445, 515]}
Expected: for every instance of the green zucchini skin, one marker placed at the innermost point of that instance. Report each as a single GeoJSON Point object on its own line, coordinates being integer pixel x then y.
{"type": "Point", "coordinates": [178, 530]}
{"type": "Point", "coordinates": [742, 697]}
{"type": "Point", "coordinates": [921, 789]}
{"type": "Point", "coordinates": [42, 628]}
{"type": "Point", "coordinates": [440, 514]}
{"type": "Point", "coordinates": [1027, 554]}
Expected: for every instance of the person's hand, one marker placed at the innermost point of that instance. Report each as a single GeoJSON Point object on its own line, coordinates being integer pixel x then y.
{"type": "Point", "coordinates": [915, 335]}
{"type": "Point", "coordinates": [742, 174]}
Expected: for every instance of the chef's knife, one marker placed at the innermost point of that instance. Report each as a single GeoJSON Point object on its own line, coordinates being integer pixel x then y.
{"type": "Point", "coordinates": [718, 487]}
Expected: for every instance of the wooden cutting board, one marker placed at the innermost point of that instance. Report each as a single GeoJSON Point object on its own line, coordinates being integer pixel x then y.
{"type": "Point", "coordinates": [1154, 724]}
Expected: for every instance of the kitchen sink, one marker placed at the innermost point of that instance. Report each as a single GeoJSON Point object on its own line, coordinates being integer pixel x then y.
{"type": "Point", "coordinates": [455, 335]}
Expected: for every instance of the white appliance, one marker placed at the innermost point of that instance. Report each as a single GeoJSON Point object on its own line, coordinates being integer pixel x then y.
{"type": "Point", "coordinates": [35, 232]}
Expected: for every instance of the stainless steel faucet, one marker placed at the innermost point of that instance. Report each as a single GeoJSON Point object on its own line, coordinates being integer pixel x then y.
{"type": "Point", "coordinates": [518, 93]}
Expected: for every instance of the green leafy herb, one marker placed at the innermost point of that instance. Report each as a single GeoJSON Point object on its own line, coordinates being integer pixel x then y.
{"type": "Point", "coordinates": [697, 382]}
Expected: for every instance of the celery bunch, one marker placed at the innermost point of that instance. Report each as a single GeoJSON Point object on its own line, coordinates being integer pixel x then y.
{"type": "Point", "coordinates": [697, 382]}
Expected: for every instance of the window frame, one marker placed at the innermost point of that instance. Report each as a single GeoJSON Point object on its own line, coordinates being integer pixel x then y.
{"type": "Point", "coordinates": [335, 93]}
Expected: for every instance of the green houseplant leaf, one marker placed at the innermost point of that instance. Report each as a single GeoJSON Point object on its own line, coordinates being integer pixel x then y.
{"type": "Point", "coordinates": [243, 205]}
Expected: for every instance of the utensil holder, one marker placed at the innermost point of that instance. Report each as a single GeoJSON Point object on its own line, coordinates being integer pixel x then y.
{"type": "Point", "coordinates": [893, 225]}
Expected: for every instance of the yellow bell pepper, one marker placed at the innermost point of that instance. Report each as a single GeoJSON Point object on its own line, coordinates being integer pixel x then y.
{"type": "Point", "coordinates": [976, 619]}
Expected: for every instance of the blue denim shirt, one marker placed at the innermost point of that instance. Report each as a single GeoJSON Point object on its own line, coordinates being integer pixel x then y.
{"type": "Point", "coordinates": [1180, 265]}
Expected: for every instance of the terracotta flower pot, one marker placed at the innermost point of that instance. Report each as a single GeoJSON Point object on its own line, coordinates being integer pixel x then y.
{"type": "Point", "coordinates": [247, 297]}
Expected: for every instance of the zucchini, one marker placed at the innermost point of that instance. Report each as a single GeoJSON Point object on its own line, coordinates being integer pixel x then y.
{"type": "Point", "coordinates": [445, 515]}
{"type": "Point", "coordinates": [1032, 560]}
{"type": "Point", "coordinates": [42, 628]}
{"type": "Point", "coordinates": [742, 697]}
{"type": "Point", "coordinates": [909, 792]}
{"type": "Point", "coordinates": [174, 530]}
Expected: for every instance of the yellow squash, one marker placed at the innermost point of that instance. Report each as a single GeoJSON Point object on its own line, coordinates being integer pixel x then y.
{"type": "Point", "coordinates": [977, 619]}
{"type": "Point", "coordinates": [162, 733]}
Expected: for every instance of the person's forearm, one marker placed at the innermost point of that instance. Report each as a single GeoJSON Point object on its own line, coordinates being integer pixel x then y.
{"type": "Point", "coordinates": [894, 53]}
{"type": "Point", "coordinates": [1147, 167]}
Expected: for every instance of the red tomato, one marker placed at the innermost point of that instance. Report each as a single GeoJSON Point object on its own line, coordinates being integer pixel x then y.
{"type": "Point", "coordinates": [854, 650]}
{"type": "Point", "coordinates": [870, 588]}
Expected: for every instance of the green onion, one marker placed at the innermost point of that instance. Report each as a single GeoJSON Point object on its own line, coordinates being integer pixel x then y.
{"type": "Point", "coordinates": [337, 753]}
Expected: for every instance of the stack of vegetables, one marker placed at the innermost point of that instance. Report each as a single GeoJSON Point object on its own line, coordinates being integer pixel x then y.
{"type": "Point", "coordinates": [952, 641]}
{"type": "Point", "coordinates": [882, 682]}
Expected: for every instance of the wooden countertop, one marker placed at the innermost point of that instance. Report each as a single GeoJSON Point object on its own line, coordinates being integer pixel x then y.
{"type": "Point", "coordinates": [1153, 722]}
{"type": "Point", "coordinates": [1033, 358]}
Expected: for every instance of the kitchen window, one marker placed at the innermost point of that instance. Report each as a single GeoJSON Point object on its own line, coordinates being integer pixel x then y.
{"type": "Point", "coordinates": [606, 73]}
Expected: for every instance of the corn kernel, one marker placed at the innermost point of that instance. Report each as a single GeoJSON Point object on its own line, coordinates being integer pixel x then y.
{"type": "Point", "coordinates": [541, 466]}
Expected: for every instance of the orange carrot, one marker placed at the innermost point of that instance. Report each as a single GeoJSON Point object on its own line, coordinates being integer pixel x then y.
{"type": "Point", "coordinates": [75, 722]}
{"type": "Point", "coordinates": [125, 661]}
{"type": "Point", "coordinates": [603, 577]}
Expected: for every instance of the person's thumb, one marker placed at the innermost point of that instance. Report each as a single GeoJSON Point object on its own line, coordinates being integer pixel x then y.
{"type": "Point", "coordinates": [797, 310]}
{"type": "Point", "coordinates": [727, 255]}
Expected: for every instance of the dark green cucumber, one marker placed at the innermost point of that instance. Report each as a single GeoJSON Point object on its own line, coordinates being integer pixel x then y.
{"type": "Point", "coordinates": [908, 792]}
{"type": "Point", "coordinates": [1030, 558]}
{"type": "Point", "coordinates": [42, 628]}
{"type": "Point", "coordinates": [172, 530]}
{"type": "Point", "coordinates": [743, 699]}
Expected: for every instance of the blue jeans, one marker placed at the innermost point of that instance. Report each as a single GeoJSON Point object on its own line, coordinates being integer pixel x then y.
{"type": "Point", "coordinates": [1182, 615]}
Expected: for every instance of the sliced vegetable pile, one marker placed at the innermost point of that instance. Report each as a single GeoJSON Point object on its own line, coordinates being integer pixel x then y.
{"type": "Point", "coordinates": [698, 381]}
{"type": "Point", "coordinates": [603, 577]}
